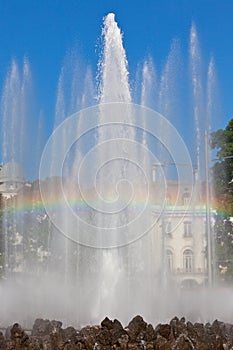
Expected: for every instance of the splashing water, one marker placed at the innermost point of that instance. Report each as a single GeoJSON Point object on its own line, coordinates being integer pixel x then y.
{"type": "Point", "coordinates": [114, 86]}
{"type": "Point", "coordinates": [106, 183]}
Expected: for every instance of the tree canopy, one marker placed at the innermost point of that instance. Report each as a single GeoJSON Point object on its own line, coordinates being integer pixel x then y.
{"type": "Point", "coordinates": [222, 141]}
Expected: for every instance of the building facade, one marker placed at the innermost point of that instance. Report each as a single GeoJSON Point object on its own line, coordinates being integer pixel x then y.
{"type": "Point", "coordinates": [11, 180]}
{"type": "Point", "coordinates": [181, 233]}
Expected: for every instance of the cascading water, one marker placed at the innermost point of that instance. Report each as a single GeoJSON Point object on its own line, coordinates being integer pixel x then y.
{"type": "Point", "coordinates": [114, 87]}
{"type": "Point", "coordinates": [117, 266]}
{"type": "Point", "coordinates": [119, 273]}
{"type": "Point", "coordinates": [14, 149]}
{"type": "Point", "coordinates": [198, 98]}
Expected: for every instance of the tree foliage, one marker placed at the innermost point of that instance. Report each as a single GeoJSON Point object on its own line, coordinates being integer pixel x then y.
{"type": "Point", "coordinates": [224, 249]}
{"type": "Point", "coordinates": [222, 141]}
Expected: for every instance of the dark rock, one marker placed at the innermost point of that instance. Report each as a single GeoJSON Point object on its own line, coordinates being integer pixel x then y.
{"type": "Point", "coordinates": [191, 332]}
{"type": "Point", "coordinates": [107, 323]}
{"type": "Point", "coordinates": [19, 339]}
{"type": "Point", "coordinates": [178, 327]}
{"type": "Point", "coordinates": [123, 341]}
{"type": "Point", "coordinates": [150, 346]}
{"type": "Point", "coordinates": [16, 331]}
{"type": "Point", "coordinates": [2, 342]}
{"type": "Point", "coordinates": [117, 331]}
{"type": "Point", "coordinates": [183, 343]}
{"type": "Point", "coordinates": [218, 328]}
{"type": "Point", "coordinates": [200, 330]}
{"type": "Point", "coordinates": [137, 325]}
{"type": "Point", "coordinates": [139, 330]}
{"type": "Point", "coordinates": [150, 333]}
{"type": "Point", "coordinates": [104, 337]}
{"type": "Point", "coordinates": [133, 346]}
{"type": "Point", "coordinates": [69, 333]}
{"type": "Point", "coordinates": [51, 334]}
{"type": "Point", "coordinates": [56, 326]}
{"type": "Point", "coordinates": [87, 336]}
{"type": "Point", "coordinates": [162, 343]}
{"type": "Point", "coordinates": [79, 346]}
{"type": "Point", "coordinates": [36, 343]}
{"type": "Point", "coordinates": [164, 330]}
{"type": "Point", "coordinates": [110, 335]}
{"type": "Point", "coordinates": [110, 332]}
{"type": "Point", "coordinates": [56, 335]}
{"type": "Point", "coordinates": [41, 327]}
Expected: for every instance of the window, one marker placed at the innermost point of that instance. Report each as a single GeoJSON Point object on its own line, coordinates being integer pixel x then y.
{"type": "Point", "coordinates": [187, 229]}
{"type": "Point", "coordinates": [186, 197]}
{"type": "Point", "coordinates": [169, 257]}
{"type": "Point", "coordinates": [188, 260]}
{"type": "Point", "coordinates": [167, 228]}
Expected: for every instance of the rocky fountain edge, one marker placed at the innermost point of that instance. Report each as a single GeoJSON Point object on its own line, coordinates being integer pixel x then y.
{"type": "Point", "coordinates": [178, 334]}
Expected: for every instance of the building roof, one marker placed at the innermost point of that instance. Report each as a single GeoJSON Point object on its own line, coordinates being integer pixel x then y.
{"type": "Point", "coordinates": [11, 172]}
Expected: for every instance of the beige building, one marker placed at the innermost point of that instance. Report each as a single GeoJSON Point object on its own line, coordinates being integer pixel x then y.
{"type": "Point", "coordinates": [181, 233]}
{"type": "Point", "coordinates": [11, 179]}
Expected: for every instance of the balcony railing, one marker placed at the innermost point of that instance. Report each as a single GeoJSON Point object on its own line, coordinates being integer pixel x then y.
{"type": "Point", "coordinates": [192, 272]}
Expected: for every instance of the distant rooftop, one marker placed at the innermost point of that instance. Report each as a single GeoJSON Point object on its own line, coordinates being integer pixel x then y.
{"type": "Point", "coordinates": [11, 172]}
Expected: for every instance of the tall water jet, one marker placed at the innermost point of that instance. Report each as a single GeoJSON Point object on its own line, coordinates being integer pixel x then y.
{"type": "Point", "coordinates": [114, 84]}
{"type": "Point", "coordinates": [168, 91]}
{"type": "Point", "coordinates": [198, 92]}
{"type": "Point", "coordinates": [149, 90]}
{"type": "Point", "coordinates": [213, 105]}
{"type": "Point", "coordinates": [114, 88]}
{"type": "Point", "coordinates": [15, 151]}
{"type": "Point", "coordinates": [10, 103]}
{"type": "Point", "coordinates": [149, 84]}
{"type": "Point", "coordinates": [168, 96]}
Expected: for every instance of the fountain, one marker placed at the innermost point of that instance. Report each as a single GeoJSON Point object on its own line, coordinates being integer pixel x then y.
{"type": "Point", "coordinates": [90, 238]}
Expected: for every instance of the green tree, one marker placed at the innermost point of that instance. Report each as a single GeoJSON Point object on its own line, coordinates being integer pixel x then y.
{"type": "Point", "coordinates": [222, 141]}
{"type": "Point", "coordinates": [224, 249]}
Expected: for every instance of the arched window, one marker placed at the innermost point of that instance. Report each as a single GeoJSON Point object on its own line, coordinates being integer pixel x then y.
{"type": "Point", "coordinates": [169, 257]}
{"type": "Point", "coordinates": [188, 260]}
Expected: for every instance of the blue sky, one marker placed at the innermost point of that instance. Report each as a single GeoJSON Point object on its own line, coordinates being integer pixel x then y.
{"type": "Point", "coordinates": [45, 30]}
